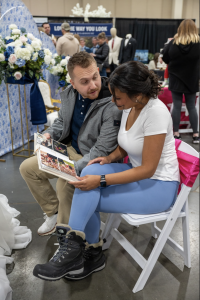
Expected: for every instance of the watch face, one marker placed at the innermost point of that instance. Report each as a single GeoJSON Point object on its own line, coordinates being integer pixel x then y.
{"type": "Point", "coordinates": [103, 184]}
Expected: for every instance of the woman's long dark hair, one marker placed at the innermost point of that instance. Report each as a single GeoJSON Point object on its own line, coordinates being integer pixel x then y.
{"type": "Point", "coordinates": [133, 78]}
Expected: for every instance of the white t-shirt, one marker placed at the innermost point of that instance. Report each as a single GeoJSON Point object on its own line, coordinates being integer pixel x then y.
{"type": "Point", "coordinates": [153, 119]}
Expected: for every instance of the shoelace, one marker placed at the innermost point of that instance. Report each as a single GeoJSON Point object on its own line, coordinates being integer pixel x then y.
{"type": "Point", "coordinates": [63, 246]}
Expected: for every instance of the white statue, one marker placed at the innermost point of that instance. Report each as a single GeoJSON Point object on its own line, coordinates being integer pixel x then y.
{"type": "Point", "coordinates": [100, 12]}
{"type": "Point", "coordinates": [77, 11]}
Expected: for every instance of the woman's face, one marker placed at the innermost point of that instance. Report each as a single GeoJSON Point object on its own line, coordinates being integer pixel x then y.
{"type": "Point", "coordinates": [100, 41]}
{"type": "Point", "coordinates": [122, 100]}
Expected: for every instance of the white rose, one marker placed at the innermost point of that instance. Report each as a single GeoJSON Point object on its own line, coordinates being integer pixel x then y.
{"type": "Point", "coordinates": [54, 70]}
{"type": "Point", "coordinates": [18, 75]}
{"type": "Point", "coordinates": [38, 41]}
{"type": "Point", "coordinates": [53, 62]}
{"type": "Point", "coordinates": [8, 37]}
{"type": "Point", "coordinates": [14, 37]}
{"type": "Point", "coordinates": [16, 31]}
{"type": "Point", "coordinates": [47, 59]}
{"type": "Point", "coordinates": [23, 53]}
{"type": "Point", "coordinates": [66, 68]}
{"type": "Point", "coordinates": [36, 45]}
{"type": "Point", "coordinates": [12, 26]}
{"type": "Point", "coordinates": [30, 48]}
{"type": "Point", "coordinates": [59, 69]}
{"type": "Point", "coordinates": [47, 52]}
{"type": "Point", "coordinates": [23, 39]}
{"type": "Point", "coordinates": [35, 56]}
{"type": "Point", "coordinates": [2, 57]}
{"type": "Point", "coordinates": [30, 36]}
{"type": "Point", "coordinates": [63, 62]}
{"type": "Point", "coordinates": [68, 78]}
{"type": "Point", "coordinates": [55, 55]}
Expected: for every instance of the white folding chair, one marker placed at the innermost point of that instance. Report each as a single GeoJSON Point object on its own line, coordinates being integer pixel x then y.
{"type": "Point", "coordinates": [52, 111]}
{"type": "Point", "coordinates": [179, 210]}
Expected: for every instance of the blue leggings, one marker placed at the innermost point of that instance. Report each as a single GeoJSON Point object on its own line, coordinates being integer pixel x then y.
{"type": "Point", "coordinates": [146, 196]}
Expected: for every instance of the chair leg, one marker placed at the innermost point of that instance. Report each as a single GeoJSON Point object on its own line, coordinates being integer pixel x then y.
{"type": "Point", "coordinates": [113, 221]}
{"type": "Point", "coordinates": [153, 231]}
{"type": "Point", "coordinates": [186, 237]}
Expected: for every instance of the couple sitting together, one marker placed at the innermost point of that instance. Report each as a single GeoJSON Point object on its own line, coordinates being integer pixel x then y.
{"type": "Point", "coordinates": [102, 122]}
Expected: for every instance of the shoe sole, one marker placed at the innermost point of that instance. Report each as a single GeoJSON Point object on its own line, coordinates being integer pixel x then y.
{"type": "Point", "coordinates": [195, 142]}
{"type": "Point", "coordinates": [75, 272]}
{"type": "Point", "coordinates": [47, 233]}
{"type": "Point", "coordinates": [93, 271]}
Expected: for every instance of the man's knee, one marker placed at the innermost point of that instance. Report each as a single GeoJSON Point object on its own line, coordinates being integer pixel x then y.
{"type": "Point", "coordinates": [27, 164]}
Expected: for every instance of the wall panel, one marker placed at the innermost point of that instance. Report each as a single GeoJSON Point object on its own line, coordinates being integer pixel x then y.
{"type": "Point", "coordinates": [39, 7]}
{"type": "Point", "coordinates": [166, 12]}
{"type": "Point", "coordinates": [109, 5]}
{"type": "Point", "coordinates": [55, 8]}
{"type": "Point", "coordinates": [139, 9]}
{"type": "Point", "coordinates": [123, 9]}
{"type": "Point", "coordinates": [154, 8]}
{"type": "Point", "coordinates": [27, 3]}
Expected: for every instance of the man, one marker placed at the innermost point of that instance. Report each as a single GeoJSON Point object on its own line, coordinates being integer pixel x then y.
{"type": "Point", "coordinates": [47, 30]}
{"type": "Point", "coordinates": [95, 45]}
{"type": "Point", "coordinates": [88, 122]}
{"type": "Point", "coordinates": [83, 47]}
{"type": "Point", "coordinates": [67, 44]}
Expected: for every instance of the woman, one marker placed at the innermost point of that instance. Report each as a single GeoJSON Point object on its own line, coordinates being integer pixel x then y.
{"type": "Point", "coordinates": [147, 185]}
{"type": "Point", "coordinates": [102, 52]}
{"type": "Point", "coordinates": [153, 63]}
{"type": "Point", "coordinates": [182, 57]}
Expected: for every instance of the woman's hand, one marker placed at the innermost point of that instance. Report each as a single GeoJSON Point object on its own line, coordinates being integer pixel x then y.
{"type": "Point", "coordinates": [101, 160]}
{"type": "Point", "coordinates": [87, 183]}
{"type": "Point", "coordinates": [92, 54]}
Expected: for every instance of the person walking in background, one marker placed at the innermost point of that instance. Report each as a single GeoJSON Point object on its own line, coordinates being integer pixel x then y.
{"type": "Point", "coordinates": [47, 30]}
{"type": "Point", "coordinates": [95, 45]}
{"type": "Point", "coordinates": [101, 53]}
{"type": "Point", "coordinates": [182, 56]}
{"type": "Point", "coordinates": [83, 47]}
{"type": "Point", "coordinates": [67, 44]}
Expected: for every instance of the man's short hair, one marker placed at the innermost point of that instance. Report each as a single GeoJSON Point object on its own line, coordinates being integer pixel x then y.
{"type": "Point", "coordinates": [45, 23]}
{"type": "Point", "coordinates": [81, 59]}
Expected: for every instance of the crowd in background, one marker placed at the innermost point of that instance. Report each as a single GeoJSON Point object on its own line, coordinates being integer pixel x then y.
{"type": "Point", "coordinates": [180, 59]}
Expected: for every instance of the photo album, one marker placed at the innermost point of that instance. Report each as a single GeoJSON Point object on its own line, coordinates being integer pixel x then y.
{"type": "Point", "coordinates": [53, 158]}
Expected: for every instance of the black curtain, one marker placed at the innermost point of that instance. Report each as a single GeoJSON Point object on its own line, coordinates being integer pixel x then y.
{"type": "Point", "coordinates": [151, 34]}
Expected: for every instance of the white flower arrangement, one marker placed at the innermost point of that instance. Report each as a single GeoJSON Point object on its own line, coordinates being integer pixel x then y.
{"type": "Point", "coordinates": [58, 67]}
{"type": "Point", "coordinates": [21, 53]}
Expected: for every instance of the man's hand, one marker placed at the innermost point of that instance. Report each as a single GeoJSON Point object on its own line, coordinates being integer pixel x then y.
{"type": "Point", "coordinates": [92, 54]}
{"type": "Point", "coordinates": [100, 160]}
{"type": "Point", "coordinates": [87, 183]}
{"type": "Point", "coordinates": [47, 136]}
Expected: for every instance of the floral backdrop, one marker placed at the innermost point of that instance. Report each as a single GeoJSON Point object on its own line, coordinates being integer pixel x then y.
{"type": "Point", "coordinates": [15, 12]}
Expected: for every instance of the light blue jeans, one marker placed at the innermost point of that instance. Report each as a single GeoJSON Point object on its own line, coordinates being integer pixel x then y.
{"type": "Point", "coordinates": [146, 196]}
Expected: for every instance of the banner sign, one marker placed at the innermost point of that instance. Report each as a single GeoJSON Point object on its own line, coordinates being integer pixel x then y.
{"type": "Point", "coordinates": [83, 29]}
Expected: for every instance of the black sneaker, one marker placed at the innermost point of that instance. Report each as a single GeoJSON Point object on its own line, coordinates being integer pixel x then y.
{"type": "Point", "coordinates": [195, 140]}
{"type": "Point", "coordinates": [68, 259]}
{"type": "Point", "coordinates": [94, 261]}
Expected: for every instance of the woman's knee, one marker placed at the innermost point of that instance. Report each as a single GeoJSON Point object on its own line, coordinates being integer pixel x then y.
{"type": "Point", "coordinates": [94, 169]}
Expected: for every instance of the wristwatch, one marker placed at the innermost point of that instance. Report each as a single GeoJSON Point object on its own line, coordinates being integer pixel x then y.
{"type": "Point", "coordinates": [103, 181]}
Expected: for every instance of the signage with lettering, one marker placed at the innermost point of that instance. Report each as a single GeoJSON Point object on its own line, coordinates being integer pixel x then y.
{"type": "Point", "coordinates": [83, 29]}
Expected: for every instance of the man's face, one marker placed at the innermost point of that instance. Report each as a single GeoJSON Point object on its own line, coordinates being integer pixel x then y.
{"type": "Point", "coordinates": [47, 28]}
{"type": "Point", "coordinates": [82, 43]}
{"type": "Point", "coordinates": [94, 42]}
{"type": "Point", "coordinates": [87, 81]}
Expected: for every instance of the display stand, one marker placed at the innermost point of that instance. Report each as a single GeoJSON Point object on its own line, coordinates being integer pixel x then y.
{"type": "Point", "coordinates": [23, 149]}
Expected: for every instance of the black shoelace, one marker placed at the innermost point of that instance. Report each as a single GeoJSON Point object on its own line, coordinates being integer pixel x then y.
{"type": "Point", "coordinates": [63, 246]}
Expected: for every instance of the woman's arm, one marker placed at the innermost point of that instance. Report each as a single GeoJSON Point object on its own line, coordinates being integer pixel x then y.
{"type": "Point", "coordinates": [104, 53]}
{"type": "Point", "coordinates": [116, 155]}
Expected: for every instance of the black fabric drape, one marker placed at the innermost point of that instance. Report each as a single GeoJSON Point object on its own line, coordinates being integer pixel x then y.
{"type": "Point", "coordinates": [151, 34]}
